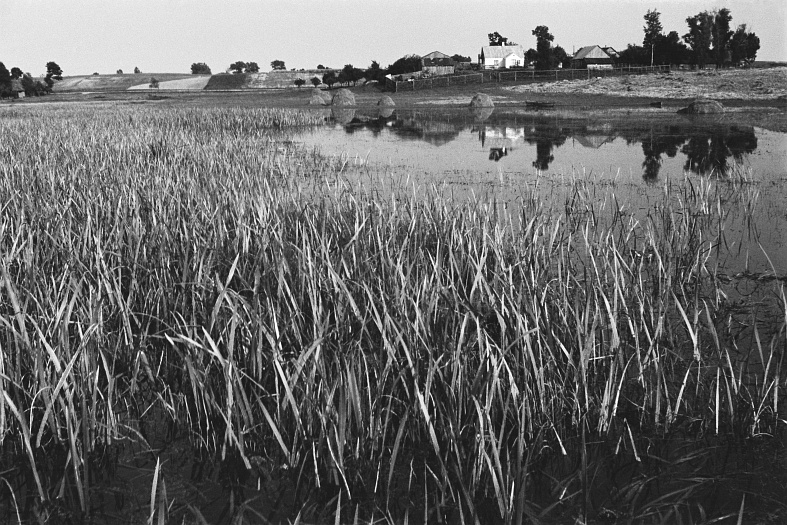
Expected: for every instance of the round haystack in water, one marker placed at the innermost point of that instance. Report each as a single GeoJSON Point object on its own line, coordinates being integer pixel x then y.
{"type": "Point", "coordinates": [317, 100]}
{"type": "Point", "coordinates": [386, 101]}
{"type": "Point", "coordinates": [482, 100]}
{"type": "Point", "coordinates": [703, 107]}
{"type": "Point", "coordinates": [343, 97]}
{"type": "Point", "coordinates": [342, 116]}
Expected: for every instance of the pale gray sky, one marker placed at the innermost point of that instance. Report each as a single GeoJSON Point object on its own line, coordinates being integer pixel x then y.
{"type": "Point", "coordinates": [162, 36]}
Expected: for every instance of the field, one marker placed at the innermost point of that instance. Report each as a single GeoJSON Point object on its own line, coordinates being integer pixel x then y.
{"type": "Point", "coordinates": [203, 323]}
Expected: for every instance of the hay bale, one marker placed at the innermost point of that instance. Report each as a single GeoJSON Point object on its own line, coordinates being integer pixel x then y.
{"type": "Point", "coordinates": [386, 101]}
{"type": "Point", "coordinates": [343, 97]}
{"type": "Point", "coordinates": [702, 107]}
{"type": "Point", "coordinates": [482, 100]}
{"type": "Point", "coordinates": [317, 100]}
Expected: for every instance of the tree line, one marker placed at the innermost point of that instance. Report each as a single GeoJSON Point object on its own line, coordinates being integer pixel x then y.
{"type": "Point", "coordinates": [14, 80]}
{"type": "Point", "coordinates": [710, 40]}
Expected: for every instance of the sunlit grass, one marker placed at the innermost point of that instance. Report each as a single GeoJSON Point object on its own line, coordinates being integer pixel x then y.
{"type": "Point", "coordinates": [407, 358]}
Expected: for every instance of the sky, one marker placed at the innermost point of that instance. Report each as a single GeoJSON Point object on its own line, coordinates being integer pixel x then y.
{"type": "Point", "coordinates": [167, 36]}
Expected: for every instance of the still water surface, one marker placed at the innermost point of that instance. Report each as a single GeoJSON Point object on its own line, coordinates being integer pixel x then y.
{"type": "Point", "coordinates": [527, 142]}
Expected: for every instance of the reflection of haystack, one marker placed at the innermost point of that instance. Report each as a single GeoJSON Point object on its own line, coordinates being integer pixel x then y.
{"type": "Point", "coordinates": [481, 114]}
{"type": "Point", "coordinates": [343, 97]}
{"type": "Point", "coordinates": [482, 100]}
{"type": "Point", "coordinates": [342, 116]}
{"type": "Point", "coordinates": [703, 107]}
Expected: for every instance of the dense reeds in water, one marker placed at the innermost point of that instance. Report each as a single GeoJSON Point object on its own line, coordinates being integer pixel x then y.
{"type": "Point", "coordinates": [363, 358]}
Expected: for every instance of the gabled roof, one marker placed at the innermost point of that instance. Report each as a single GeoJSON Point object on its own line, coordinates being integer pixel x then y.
{"type": "Point", "coordinates": [434, 55]}
{"type": "Point", "coordinates": [16, 85]}
{"type": "Point", "coordinates": [590, 52]}
{"type": "Point", "coordinates": [502, 51]}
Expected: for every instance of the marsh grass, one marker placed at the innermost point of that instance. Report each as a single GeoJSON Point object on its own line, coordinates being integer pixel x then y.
{"type": "Point", "coordinates": [189, 276]}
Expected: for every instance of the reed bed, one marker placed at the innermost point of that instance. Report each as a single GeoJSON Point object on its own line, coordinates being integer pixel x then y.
{"type": "Point", "coordinates": [363, 359]}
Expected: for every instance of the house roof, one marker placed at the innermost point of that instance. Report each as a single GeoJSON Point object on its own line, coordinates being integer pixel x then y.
{"type": "Point", "coordinates": [434, 55]}
{"type": "Point", "coordinates": [590, 52]}
{"type": "Point", "coordinates": [16, 85]}
{"type": "Point", "coordinates": [502, 51]}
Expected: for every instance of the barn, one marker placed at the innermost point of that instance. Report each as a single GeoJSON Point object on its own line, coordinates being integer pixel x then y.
{"type": "Point", "coordinates": [437, 63]}
{"type": "Point", "coordinates": [501, 57]}
{"type": "Point", "coordinates": [591, 57]}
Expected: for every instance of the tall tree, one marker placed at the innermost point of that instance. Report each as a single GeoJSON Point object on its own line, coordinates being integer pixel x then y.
{"type": "Point", "coordinates": [329, 79]}
{"type": "Point", "coordinates": [699, 37]}
{"type": "Point", "coordinates": [721, 36]}
{"type": "Point", "coordinates": [5, 79]}
{"type": "Point", "coordinates": [653, 30]}
{"type": "Point", "coordinates": [670, 49]}
{"type": "Point", "coordinates": [374, 72]}
{"type": "Point", "coordinates": [744, 46]}
{"type": "Point", "coordinates": [238, 67]}
{"type": "Point", "coordinates": [543, 47]}
{"type": "Point", "coordinates": [252, 67]}
{"type": "Point", "coordinates": [278, 64]}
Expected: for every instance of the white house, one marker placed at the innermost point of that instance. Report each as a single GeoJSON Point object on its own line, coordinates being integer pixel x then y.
{"type": "Point", "coordinates": [500, 57]}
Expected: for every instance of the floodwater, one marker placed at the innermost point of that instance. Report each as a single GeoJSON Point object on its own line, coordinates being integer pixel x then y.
{"type": "Point", "coordinates": [511, 154]}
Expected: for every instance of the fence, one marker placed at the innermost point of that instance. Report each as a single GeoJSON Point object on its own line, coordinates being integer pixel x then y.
{"type": "Point", "coordinates": [522, 75]}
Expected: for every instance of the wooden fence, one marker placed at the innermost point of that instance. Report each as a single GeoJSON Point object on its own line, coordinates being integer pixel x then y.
{"type": "Point", "coordinates": [521, 75]}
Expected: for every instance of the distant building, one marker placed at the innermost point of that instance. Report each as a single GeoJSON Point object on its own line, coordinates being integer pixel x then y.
{"type": "Point", "coordinates": [437, 63]}
{"type": "Point", "coordinates": [501, 57]}
{"type": "Point", "coordinates": [591, 57]}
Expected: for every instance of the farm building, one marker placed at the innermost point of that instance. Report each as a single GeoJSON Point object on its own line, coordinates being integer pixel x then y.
{"type": "Point", "coordinates": [591, 57]}
{"type": "Point", "coordinates": [500, 57]}
{"type": "Point", "coordinates": [437, 63]}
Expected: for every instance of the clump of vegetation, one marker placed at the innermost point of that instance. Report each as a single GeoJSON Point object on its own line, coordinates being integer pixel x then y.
{"type": "Point", "coordinates": [397, 359]}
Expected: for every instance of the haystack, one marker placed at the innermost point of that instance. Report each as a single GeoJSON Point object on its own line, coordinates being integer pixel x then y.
{"type": "Point", "coordinates": [386, 101]}
{"type": "Point", "coordinates": [482, 100]}
{"type": "Point", "coordinates": [702, 107]}
{"type": "Point", "coordinates": [343, 97]}
{"type": "Point", "coordinates": [317, 100]}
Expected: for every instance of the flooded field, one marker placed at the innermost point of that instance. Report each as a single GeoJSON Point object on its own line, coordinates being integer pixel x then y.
{"type": "Point", "coordinates": [253, 315]}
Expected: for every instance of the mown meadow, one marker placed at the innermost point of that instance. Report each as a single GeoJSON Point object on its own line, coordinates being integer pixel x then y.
{"type": "Point", "coordinates": [186, 293]}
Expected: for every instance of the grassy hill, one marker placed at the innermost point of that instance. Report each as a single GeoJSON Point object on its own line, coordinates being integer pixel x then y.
{"type": "Point", "coordinates": [113, 82]}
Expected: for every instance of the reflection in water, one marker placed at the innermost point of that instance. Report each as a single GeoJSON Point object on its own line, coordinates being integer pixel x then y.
{"type": "Point", "coordinates": [706, 146]}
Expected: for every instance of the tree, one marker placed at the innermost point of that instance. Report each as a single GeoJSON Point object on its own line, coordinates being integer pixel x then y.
{"type": "Point", "coordinates": [119, 71]}
{"type": "Point", "coordinates": [721, 36]}
{"type": "Point", "coordinates": [329, 78]}
{"type": "Point", "coordinates": [153, 83]}
{"type": "Point", "coordinates": [374, 72]}
{"type": "Point", "coordinates": [316, 81]}
{"type": "Point", "coordinates": [744, 46]}
{"type": "Point", "coordinates": [670, 49]}
{"type": "Point", "coordinates": [29, 85]}
{"type": "Point", "coordinates": [54, 70]}
{"type": "Point", "coordinates": [278, 64]}
{"type": "Point", "coordinates": [459, 58]}
{"type": "Point", "coordinates": [252, 67]}
{"type": "Point", "coordinates": [634, 55]}
{"type": "Point", "coordinates": [299, 82]}
{"type": "Point", "coordinates": [200, 68]}
{"type": "Point", "coordinates": [16, 73]}
{"type": "Point", "coordinates": [320, 66]}
{"type": "Point", "coordinates": [559, 56]}
{"type": "Point", "coordinates": [543, 47]}
{"type": "Point", "coordinates": [496, 39]}
{"type": "Point", "coordinates": [699, 37]}
{"type": "Point", "coordinates": [137, 71]}
{"type": "Point", "coordinates": [653, 30]}
{"type": "Point", "coordinates": [406, 64]}
{"type": "Point", "coordinates": [5, 80]}
{"type": "Point", "coordinates": [531, 55]}
{"type": "Point", "coordinates": [238, 67]}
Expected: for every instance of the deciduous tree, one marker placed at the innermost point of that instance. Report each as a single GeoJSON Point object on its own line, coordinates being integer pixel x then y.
{"type": "Point", "coordinates": [16, 73]}
{"type": "Point", "coordinates": [744, 46]}
{"type": "Point", "coordinates": [329, 78]}
{"type": "Point", "coordinates": [137, 71]}
{"type": "Point", "coordinates": [316, 81]}
{"type": "Point", "coordinates": [278, 64]}
{"type": "Point", "coordinates": [299, 82]}
{"type": "Point", "coordinates": [543, 47]}
{"type": "Point", "coordinates": [200, 68]}
{"type": "Point", "coordinates": [496, 39]}
{"type": "Point", "coordinates": [54, 70]}
{"type": "Point", "coordinates": [252, 67]}
{"type": "Point", "coordinates": [653, 30]}
{"type": "Point", "coordinates": [119, 72]}
{"type": "Point", "coordinates": [721, 36]}
{"type": "Point", "coordinates": [238, 67]}
{"type": "Point", "coordinates": [699, 37]}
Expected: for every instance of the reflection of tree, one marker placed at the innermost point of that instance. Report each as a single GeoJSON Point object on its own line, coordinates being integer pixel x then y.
{"type": "Point", "coordinates": [545, 141]}
{"type": "Point", "coordinates": [709, 152]}
{"type": "Point", "coordinates": [657, 144]}
{"type": "Point", "coordinates": [496, 154]}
